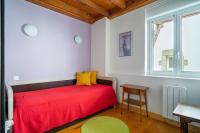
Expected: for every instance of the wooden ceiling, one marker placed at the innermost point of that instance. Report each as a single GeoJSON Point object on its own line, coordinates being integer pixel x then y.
{"type": "Point", "coordinates": [92, 10]}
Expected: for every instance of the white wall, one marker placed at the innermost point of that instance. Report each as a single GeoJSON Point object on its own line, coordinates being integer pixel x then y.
{"type": "Point", "coordinates": [100, 38]}
{"type": "Point", "coordinates": [155, 91]}
{"type": "Point", "coordinates": [132, 69]}
{"type": "Point", "coordinates": [135, 64]}
{"type": "Point", "coordinates": [51, 55]}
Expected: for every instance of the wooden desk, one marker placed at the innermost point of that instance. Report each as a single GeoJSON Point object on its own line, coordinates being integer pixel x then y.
{"type": "Point", "coordinates": [136, 90]}
{"type": "Point", "coordinates": [187, 114]}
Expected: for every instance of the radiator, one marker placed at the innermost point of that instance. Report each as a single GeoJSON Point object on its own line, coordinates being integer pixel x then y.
{"type": "Point", "coordinates": [172, 95]}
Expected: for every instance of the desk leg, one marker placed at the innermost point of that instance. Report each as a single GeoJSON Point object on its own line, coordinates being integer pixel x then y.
{"type": "Point", "coordinates": [122, 101]}
{"type": "Point", "coordinates": [140, 106]}
{"type": "Point", "coordinates": [145, 98]}
{"type": "Point", "coordinates": [184, 125]}
{"type": "Point", "coordinates": [128, 102]}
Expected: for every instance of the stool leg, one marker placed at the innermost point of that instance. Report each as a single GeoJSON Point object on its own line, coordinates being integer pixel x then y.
{"type": "Point", "coordinates": [140, 106]}
{"type": "Point", "coordinates": [145, 97]}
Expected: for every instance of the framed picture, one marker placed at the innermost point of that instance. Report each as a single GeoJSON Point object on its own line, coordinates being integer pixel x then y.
{"type": "Point", "coordinates": [125, 44]}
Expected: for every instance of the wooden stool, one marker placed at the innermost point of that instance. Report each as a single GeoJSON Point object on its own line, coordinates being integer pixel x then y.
{"type": "Point", "coordinates": [136, 90]}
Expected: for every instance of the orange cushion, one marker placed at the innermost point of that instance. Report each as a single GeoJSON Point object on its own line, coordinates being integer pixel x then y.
{"type": "Point", "coordinates": [83, 78]}
{"type": "Point", "coordinates": [93, 77]}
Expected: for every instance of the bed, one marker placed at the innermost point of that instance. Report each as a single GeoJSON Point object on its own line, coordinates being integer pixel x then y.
{"type": "Point", "coordinates": [39, 108]}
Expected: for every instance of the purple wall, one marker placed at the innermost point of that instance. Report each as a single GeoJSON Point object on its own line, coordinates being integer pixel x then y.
{"type": "Point", "coordinates": [52, 54]}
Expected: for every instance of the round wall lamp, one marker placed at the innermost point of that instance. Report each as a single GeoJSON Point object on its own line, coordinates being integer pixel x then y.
{"type": "Point", "coordinates": [78, 39]}
{"type": "Point", "coordinates": [30, 30]}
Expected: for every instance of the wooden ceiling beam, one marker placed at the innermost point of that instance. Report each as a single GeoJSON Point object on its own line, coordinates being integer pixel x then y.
{"type": "Point", "coordinates": [119, 3]}
{"type": "Point", "coordinates": [77, 4]}
{"type": "Point", "coordinates": [62, 7]}
{"type": "Point", "coordinates": [135, 5]}
{"type": "Point", "coordinates": [93, 5]}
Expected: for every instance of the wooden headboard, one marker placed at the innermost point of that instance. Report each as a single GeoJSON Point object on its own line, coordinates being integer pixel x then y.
{"type": "Point", "coordinates": [53, 84]}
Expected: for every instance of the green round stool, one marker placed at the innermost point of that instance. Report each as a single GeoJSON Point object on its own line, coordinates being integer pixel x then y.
{"type": "Point", "coordinates": [104, 124]}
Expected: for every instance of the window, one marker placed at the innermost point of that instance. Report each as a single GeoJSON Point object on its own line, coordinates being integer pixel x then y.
{"type": "Point", "coordinates": [174, 43]}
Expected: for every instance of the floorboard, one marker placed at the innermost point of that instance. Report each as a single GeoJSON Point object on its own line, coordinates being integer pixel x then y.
{"type": "Point", "coordinates": [132, 119]}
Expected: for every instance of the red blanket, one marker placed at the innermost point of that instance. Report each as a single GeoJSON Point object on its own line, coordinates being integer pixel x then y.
{"type": "Point", "coordinates": [42, 110]}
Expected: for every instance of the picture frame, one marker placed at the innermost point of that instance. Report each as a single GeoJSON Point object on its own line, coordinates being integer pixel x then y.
{"type": "Point", "coordinates": [125, 44]}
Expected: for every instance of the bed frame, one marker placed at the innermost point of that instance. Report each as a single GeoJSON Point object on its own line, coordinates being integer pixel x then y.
{"type": "Point", "coordinates": [44, 85]}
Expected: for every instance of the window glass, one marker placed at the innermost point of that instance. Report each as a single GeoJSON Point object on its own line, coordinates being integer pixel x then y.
{"type": "Point", "coordinates": [163, 45]}
{"type": "Point", "coordinates": [190, 42]}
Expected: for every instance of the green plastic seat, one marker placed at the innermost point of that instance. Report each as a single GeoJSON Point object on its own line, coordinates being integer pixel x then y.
{"type": "Point", "coordinates": [104, 124]}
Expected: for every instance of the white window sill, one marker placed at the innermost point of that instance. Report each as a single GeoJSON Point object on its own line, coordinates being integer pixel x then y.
{"type": "Point", "coordinates": [171, 77]}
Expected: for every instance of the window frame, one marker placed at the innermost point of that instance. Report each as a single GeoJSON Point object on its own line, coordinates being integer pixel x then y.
{"type": "Point", "coordinates": [177, 51]}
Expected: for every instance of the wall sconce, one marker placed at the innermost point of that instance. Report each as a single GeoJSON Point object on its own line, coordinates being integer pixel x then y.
{"type": "Point", "coordinates": [30, 30]}
{"type": "Point", "coordinates": [78, 39]}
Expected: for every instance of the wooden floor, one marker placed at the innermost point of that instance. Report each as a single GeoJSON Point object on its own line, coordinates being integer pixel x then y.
{"type": "Point", "coordinates": [132, 119]}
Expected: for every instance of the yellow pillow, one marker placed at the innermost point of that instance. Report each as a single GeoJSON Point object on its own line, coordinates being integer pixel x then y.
{"type": "Point", "coordinates": [93, 77]}
{"type": "Point", "coordinates": [83, 78]}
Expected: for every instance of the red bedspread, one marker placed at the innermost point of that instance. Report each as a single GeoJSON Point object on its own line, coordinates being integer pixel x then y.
{"type": "Point", "coordinates": [42, 110]}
